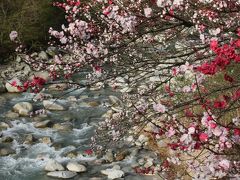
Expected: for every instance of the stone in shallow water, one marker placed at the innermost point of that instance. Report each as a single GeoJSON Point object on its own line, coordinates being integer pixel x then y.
{"type": "Point", "coordinates": [109, 156]}
{"type": "Point", "coordinates": [52, 105]}
{"type": "Point", "coordinates": [113, 173]}
{"type": "Point", "coordinates": [41, 96]}
{"type": "Point", "coordinates": [53, 165]}
{"type": "Point", "coordinates": [11, 115]}
{"type": "Point", "coordinates": [72, 99]}
{"type": "Point", "coordinates": [75, 167]}
{"type": "Point", "coordinates": [63, 126]}
{"type": "Point", "coordinates": [23, 108]}
{"type": "Point", "coordinates": [7, 139]}
{"type": "Point", "coordinates": [29, 139]}
{"type": "Point", "coordinates": [58, 87]}
{"type": "Point", "coordinates": [6, 151]}
{"type": "Point", "coordinates": [121, 155]}
{"type": "Point", "coordinates": [45, 140]}
{"type": "Point", "coordinates": [93, 104]}
{"type": "Point", "coordinates": [43, 124]}
{"type": "Point", "coordinates": [4, 125]}
{"type": "Point", "coordinates": [62, 174]}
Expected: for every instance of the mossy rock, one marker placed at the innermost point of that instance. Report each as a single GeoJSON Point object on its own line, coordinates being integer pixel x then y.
{"type": "Point", "coordinates": [31, 19]}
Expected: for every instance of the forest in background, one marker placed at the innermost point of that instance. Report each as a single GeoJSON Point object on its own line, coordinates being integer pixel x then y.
{"type": "Point", "coordinates": [31, 19]}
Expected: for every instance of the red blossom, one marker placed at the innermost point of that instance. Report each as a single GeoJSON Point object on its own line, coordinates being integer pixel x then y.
{"type": "Point", "coordinates": [213, 45]}
{"type": "Point", "coordinates": [14, 83]}
{"type": "Point", "coordinates": [203, 137]}
{"type": "Point", "coordinates": [236, 132]}
{"type": "Point", "coordinates": [220, 104]}
{"type": "Point", "coordinates": [236, 95]}
{"type": "Point", "coordinates": [197, 145]}
{"type": "Point", "coordinates": [207, 68]}
{"type": "Point", "coordinates": [88, 151]}
{"type": "Point", "coordinates": [228, 78]}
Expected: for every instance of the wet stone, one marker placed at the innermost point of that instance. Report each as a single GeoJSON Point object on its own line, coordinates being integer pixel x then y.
{"type": "Point", "coordinates": [23, 108]}
{"type": "Point", "coordinates": [52, 105]}
{"type": "Point", "coordinates": [7, 139]}
{"type": "Point", "coordinates": [6, 151]}
{"type": "Point", "coordinates": [63, 126]}
{"type": "Point", "coordinates": [93, 104]}
{"type": "Point", "coordinates": [62, 174]}
{"type": "Point", "coordinates": [11, 115]}
{"type": "Point", "coordinates": [29, 139]}
{"type": "Point", "coordinates": [75, 167]}
{"type": "Point", "coordinates": [45, 140]}
{"type": "Point", "coordinates": [4, 125]}
{"type": "Point", "coordinates": [53, 165]}
{"type": "Point", "coordinates": [58, 87]}
{"type": "Point", "coordinates": [43, 124]}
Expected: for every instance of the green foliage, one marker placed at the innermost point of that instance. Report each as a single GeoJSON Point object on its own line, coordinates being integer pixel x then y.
{"type": "Point", "coordinates": [31, 18]}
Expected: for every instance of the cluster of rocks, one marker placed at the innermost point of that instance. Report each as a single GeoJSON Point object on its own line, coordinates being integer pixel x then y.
{"type": "Point", "coordinates": [57, 170]}
{"type": "Point", "coordinates": [25, 108]}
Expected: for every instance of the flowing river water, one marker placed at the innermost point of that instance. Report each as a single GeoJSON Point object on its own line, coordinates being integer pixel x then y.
{"type": "Point", "coordinates": [29, 148]}
{"type": "Point", "coordinates": [28, 160]}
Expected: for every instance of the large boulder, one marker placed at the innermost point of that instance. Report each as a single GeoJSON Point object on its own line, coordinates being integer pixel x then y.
{"type": "Point", "coordinates": [23, 108]}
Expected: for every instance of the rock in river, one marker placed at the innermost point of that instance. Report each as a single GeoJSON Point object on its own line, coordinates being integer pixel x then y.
{"type": "Point", "coordinates": [113, 173]}
{"type": "Point", "coordinates": [75, 167]}
{"type": "Point", "coordinates": [23, 108]}
{"type": "Point", "coordinates": [53, 105]}
{"type": "Point", "coordinates": [53, 165]}
{"type": "Point", "coordinates": [63, 126]}
{"type": "Point", "coordinates": [6, 151]}
{"type": "Point", "coordinates": [43, 124]}
{"type": "Point", "coordinates": [62, 174]}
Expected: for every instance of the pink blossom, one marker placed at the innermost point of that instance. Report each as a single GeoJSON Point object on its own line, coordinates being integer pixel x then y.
{"type": "Point", "coordinates": [191, 130]}
{"type": "Point", "coordinates": [170, 132]}
{"type": "Point", "coordinates": [148, 12]}
{"type": "Point", "coordinates": [159, 108]}
{"type": "Point", "coordinates": [212, 125]}
{"type": "Point", "coordinates": [225, 164]}
{"type": "Point", "coordinates": [217, 131]}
